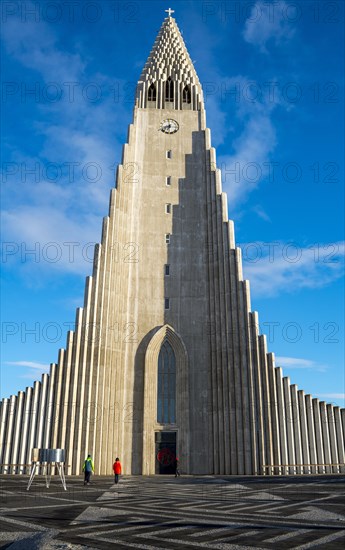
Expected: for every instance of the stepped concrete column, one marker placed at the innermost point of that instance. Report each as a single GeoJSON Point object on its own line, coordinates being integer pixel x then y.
{"type": "Point", "coordinates": [304, 431]}
{"type": "Point", "coordinates": [340, 438]}
{"type": "Point", "coordinates": [289, 424]}
{"type": "Point", "coordinates": [274, 412]}
{"type": "Point", "coordinates": [332, 439]}
{"type": "Point", "coordinates": [318, 436]}
{"type": "Point", "coordinates": [42, 411]}
{"type": "Point", "coordinates": [282, 421]}
{"type": "Point", "coordinates": [325, 436]}
{"type": "Point", "coordinates": [24, 453]}
{"type": "Point", "coordinates": [3, 427]}
{"type": "Point", "coordinates": [15, 444]}
{"type": "Point", "coordinates": [9, 435]}
{"type": "Point", "coordinates": [48, 425]}
{"type": "Point", "coordinates": [311, 432]}
{"type": "Point", "coordinates": [296, 427]}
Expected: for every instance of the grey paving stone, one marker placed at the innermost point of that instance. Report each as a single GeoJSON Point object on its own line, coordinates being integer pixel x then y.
{"type": "Point", "coordinates": [159, 512]}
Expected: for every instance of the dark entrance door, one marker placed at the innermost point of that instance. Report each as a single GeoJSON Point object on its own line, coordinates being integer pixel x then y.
{"type": "Point", "coordinates": [165, 452]}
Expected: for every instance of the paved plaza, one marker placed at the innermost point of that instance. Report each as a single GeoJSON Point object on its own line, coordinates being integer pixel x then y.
{"type": "Point", "coordinates": [161, 512]}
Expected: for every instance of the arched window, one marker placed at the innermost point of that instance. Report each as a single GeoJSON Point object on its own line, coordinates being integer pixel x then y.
{"type": "Point", "coordinates": [166, 387]}
{"type": "Point", "coordinates": [152, 94]}
{"type": "Point", "coordinates": [169, 90]}
{"type": "Point", "coordinates": [186, 95]}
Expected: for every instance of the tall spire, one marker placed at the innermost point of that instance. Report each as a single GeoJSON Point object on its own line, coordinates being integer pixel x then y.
{"type": "Point", "coordinates": [169, 79]}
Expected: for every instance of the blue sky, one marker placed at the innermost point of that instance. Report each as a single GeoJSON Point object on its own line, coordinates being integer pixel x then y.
{"type": "Point", "coordinates": [273, 82]}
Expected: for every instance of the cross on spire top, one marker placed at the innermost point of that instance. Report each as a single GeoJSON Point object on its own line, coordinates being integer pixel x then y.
{"type": "Point", "coordinates": [169, 11]}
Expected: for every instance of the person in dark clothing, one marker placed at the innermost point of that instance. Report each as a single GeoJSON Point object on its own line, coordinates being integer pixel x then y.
{"type": "Point", "coordinates": [176, 465]}
{"type": "Point", "coordinates": [88, 468]}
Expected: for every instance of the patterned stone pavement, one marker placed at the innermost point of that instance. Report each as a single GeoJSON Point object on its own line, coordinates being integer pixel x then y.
{"type": "Point", "coordinates": [161, 512]}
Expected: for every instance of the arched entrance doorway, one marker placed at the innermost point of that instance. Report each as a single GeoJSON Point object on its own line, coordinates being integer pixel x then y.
{"type": "Point", "coordinates": [166, 403]}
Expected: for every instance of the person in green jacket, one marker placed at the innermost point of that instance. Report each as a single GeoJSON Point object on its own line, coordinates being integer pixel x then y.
{"type": "Point", "coordinates": [88, 468]}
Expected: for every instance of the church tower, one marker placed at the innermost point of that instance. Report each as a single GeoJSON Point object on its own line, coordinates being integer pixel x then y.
{"type": "Point", "coordinates": [166, 357]}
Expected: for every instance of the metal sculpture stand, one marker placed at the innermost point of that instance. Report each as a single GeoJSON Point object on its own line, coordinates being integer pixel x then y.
{"type": "Point", "coordinates": [48, 474]}
{"type": "Point", "coordinates": [47, 457]}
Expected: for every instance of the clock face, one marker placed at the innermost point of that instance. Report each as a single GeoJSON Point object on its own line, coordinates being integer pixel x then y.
{"type": "Point", "coordinates": [169, 126]}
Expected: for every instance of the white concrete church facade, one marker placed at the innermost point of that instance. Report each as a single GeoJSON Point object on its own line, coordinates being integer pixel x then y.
{"type": "Point", "coordinates": [166, 357]}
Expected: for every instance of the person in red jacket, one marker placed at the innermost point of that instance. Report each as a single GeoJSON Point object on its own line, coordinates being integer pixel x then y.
{"type": "Point", "coordinates": [117, 469]}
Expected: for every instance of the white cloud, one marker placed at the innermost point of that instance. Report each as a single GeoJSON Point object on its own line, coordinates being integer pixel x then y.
{"type": "Point", "coordinates": [260, 212]}
{"type": "Point", "coordinates": [274, 268]}
{"type": "Point", "coordinates": [30, 364]}
{"type": "Point", "coordinates": [44, 209]}
{"type": "Point", "coordinates": [297, 363]}
{"type": "Point", "coordinates": [293, 362]}
{"type": "Point", "coordinates": [58, 241]}
{"type": "Point", "coordinates": [270, 22]}
{"type": "Point", "coordinates": [35, 46]}
{"type": "Point", "coordinates": [32, 369]}
{"type": "Point", "coordinates": [248, 164]}
{"type": "Point", "coordinates": [252, 152]}
{"type": "Point", "coordinates": [331, 395]}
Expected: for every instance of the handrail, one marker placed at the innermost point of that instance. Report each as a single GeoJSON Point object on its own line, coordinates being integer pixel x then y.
{"type": "Point", "coordinates": [13, 468]}
{"type": "Point", "coordinates": [293, 465]}
{"type": "Point", "coordinates": [338, 465]}
{"type": "Point", "coordinates": [31, 463]}
{"type": "Point", "coordinates": [14, 464]}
